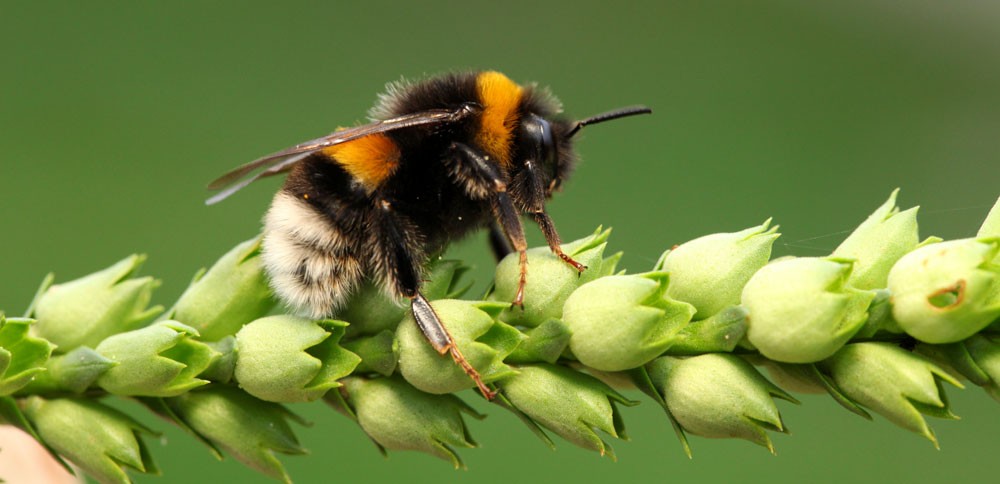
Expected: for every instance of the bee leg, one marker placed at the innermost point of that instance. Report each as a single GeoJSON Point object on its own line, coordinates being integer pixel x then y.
{"type": "Point", "coordinates": [552, 237]}
{"type": "Point", "coordinates": [530, 186]}
{"type": "Point", "coordinates": [442, 342]}
{"type": "Point", "coordinates": [399, 258]}
{"type": "Point", "coordinates": [483, 178]}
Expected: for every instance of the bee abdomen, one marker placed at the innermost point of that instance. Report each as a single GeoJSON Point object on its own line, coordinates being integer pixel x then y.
{"type": "Point", "coordinates": [309, 261]}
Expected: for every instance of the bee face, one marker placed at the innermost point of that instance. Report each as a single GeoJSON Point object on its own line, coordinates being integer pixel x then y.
{"type": "Point", "coordinates": [444, 156]}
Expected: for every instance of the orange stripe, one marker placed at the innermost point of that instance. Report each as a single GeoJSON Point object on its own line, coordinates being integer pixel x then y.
{"type": "Point", "coordinates": [370, 160]}
{"type": "Point", "coordinates": [500, 98]}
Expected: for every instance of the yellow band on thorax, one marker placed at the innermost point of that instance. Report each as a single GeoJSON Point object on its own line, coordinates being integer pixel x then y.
{"type": "Point", "coordinates": [500, 98]}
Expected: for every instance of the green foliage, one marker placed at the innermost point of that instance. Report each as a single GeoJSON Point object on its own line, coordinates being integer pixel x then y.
{"type": "Point", "coordinates": [879, 326]}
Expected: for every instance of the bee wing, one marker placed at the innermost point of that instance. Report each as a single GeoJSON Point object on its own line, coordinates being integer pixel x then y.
{"type": "Point", "coordinates": [283, 160]}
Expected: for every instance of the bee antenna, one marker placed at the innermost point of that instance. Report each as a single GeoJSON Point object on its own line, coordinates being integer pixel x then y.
{"type": "Point", "coordinates": [600, 118]}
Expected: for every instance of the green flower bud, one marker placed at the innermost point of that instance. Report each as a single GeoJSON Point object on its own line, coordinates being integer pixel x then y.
{"type": "Point", "coordinates": [22, 357]}
{"type": "Point", "coordinates": [231, 421]}
{"type": "Point", "coordinates": [230, 294]}
{"type": "Point", "coordinates": [399, 417]}
{"type": "Point", "coordinates": [73, 372]}
{"type": "Point", "coordinates": [718, 396]}
{"type": "Point", "coordinates": [99, 439]}
{"type": "Point", "coordinates": [567, 402]}
{"type": "Point", "coordinates": [622, 322]}
{"type": "Point", "coordinates": [878, 243]}
{"type": "Point", "coordinates": [550, 279]}
{"type": "Point", "coordinates": [800, 378]}
{"type": "Point", "coordinates": [985, 352]}
{"type": "Point", "coordinates": [976, 358]}
{"type": "Point", "coordinates": [709, 272]}
{"type": "Point", "coordinates": [802, 310]}
{"type": "Point", "coordinates": [370, 310]}
{"type": "Point", "coordinates": [546, 342]}
{"type": "Point", "coordinates": [991, 226]}
{"type": "Point", "coordinates": [161, 360]}
{"type": "Point", "coordinates": [893, 382]}
{"type": "Point", "coordinates": [290, 359]}
{"type": "Point", "coordinates": [719, 333]}
{"type": "Point", "coordinates": [378, 353]}
{"type": "Point", "coordinates": [483, 340]}
{"type": "Point", "coordinates": [85, 311]}
{"type": "Point", "coordinates": [948, 291]}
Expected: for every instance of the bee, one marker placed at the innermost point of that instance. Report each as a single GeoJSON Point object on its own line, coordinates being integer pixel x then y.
{"type": "Point", "coordinates": [441, 157]}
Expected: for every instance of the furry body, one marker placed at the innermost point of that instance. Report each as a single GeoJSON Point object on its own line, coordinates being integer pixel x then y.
{"type": "Point", "coordinates": [381, 205]}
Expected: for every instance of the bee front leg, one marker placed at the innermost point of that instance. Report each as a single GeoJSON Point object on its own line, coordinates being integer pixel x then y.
{"type": "Point", "coordinates": [398, 257]}
{"type": "Point", "coordinates": [552, 237]}
{"type": "Point", "coordinates": [529, 184]}
{"type": "Point", "coordinates": [483, 179]}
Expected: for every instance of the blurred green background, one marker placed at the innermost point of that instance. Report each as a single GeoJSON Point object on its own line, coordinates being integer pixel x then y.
{"type": "Point", "coordinates": [114, 115]}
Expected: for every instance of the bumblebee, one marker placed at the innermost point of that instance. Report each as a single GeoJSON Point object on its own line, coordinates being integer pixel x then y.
{"type": "Point", "coordinates": [442, 157]}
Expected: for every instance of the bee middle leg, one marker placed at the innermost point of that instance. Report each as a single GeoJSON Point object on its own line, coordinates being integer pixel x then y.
{"type": "Point", "coordinates": [483, 179]}
{"type": "Point", "coordinates": [398, 259]}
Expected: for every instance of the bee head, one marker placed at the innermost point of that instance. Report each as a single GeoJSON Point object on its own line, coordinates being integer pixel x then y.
{"type": "Point", "coordinates": [549, 143]}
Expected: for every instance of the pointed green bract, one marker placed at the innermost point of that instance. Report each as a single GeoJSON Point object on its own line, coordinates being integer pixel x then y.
{"type": "Point", "coordinates": [881, 240]}
{"type": "Point", "coordinates": [622, 322]}
{"type": "Point", "coordinates": [550, 279]}
{"type": "Point", "coordinates": [99, 439]}
{"type": "Point", "coordinates": [230, 294]}
{"type": "Point", "coordinates": [399, 417]}
{"type": "Point", "coordinates": [291, 359]}
{"type": "Point", "coordinates": [22, 357]}
{"type": "Point", "coordinates": [709, 272]}
{"type": "Point", "coordinates": [946, 292]}
{"type": "Point", "coordinates": [482, 339]}
{"type": "Point", "coordinates": [898, 384]}
{"type": "Point", "coordinates": [719, 396]}
{"type": "Point", "coordinates": [85, 311]}
{"type": "Point", "coordinates": [567, 402]}
{"type": "Point", "coordinates": [802, 310]}
{"type": "Point", "coordinates": [991, 226]}
{"type": "Point", "coordinates": [161, 360]}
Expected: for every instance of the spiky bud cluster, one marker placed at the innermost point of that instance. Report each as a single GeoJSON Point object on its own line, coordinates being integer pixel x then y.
{"type": "Point", "coordinates": [879, 325]}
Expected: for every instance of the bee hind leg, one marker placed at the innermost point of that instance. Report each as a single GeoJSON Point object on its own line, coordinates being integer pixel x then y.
{"type": "Point", "coordinates": [398, 255]}
{"type": "Point", "coordinates": [442, 342]}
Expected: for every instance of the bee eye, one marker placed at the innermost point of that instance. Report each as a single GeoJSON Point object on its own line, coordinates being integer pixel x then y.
{"type": "Point", "coordinates": [538, 135]}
